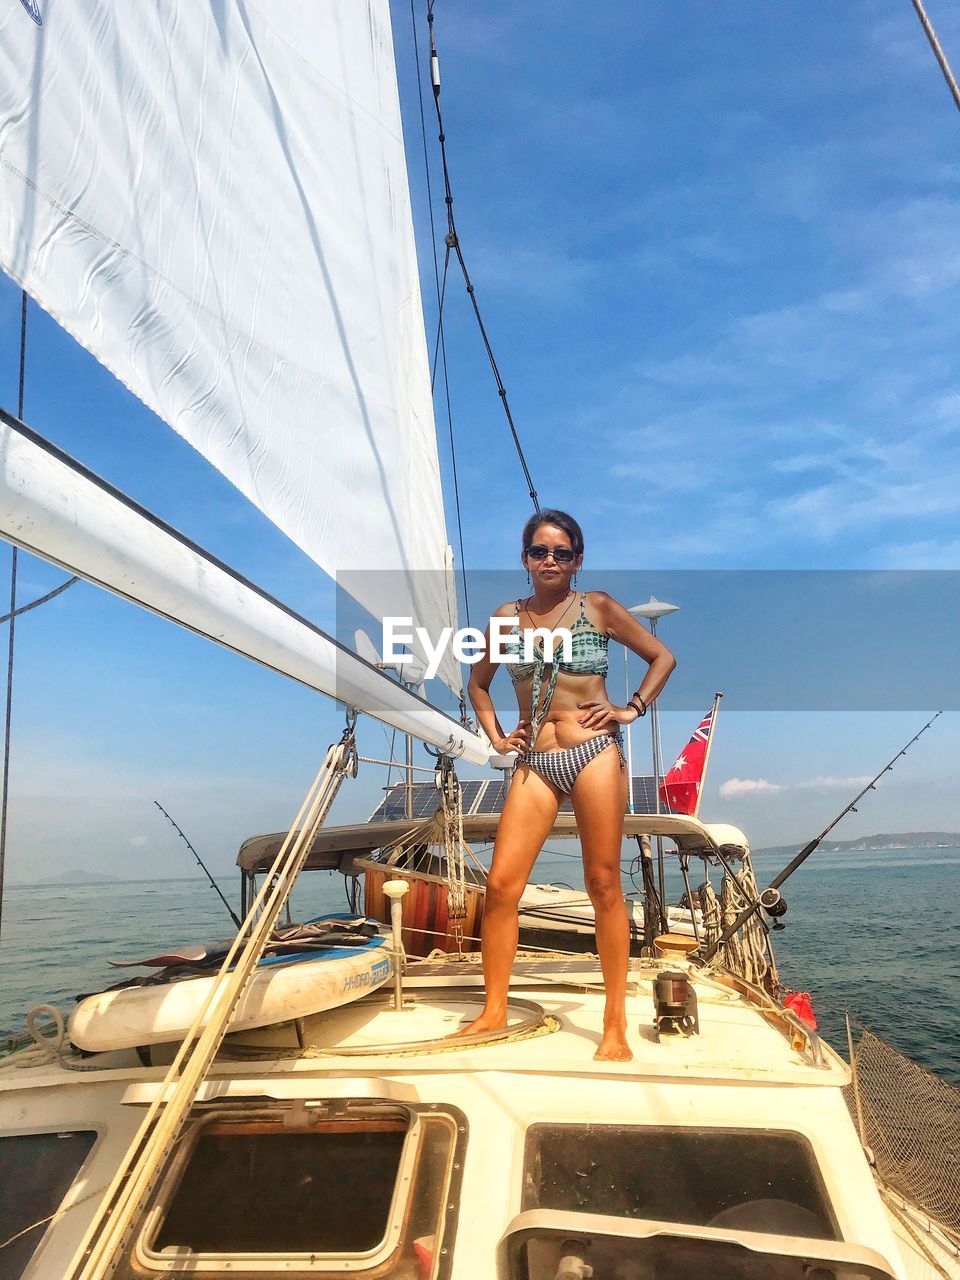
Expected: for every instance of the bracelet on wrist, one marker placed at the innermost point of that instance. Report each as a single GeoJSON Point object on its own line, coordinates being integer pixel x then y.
{"type": "Point", "coordinates": [642, 708]}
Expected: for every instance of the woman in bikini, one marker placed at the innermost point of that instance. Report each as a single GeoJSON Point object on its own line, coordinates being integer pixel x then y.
{"type": "Point", "coordinates": [570, 744]}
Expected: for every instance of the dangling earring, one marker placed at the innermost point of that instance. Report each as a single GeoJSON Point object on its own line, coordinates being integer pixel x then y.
{"type": "Point", "coordinates": [574, 584]}
{"type": "Point", "coordinates": [528, 577]}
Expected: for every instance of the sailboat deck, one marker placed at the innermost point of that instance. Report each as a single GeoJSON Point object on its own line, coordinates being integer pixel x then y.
{"type": "Point", "coordinates": [736, 1041]}
{"type": "Point", "coordinates": [555, 1025]}
{"type": "Point", "coordinates": [741, 1075]}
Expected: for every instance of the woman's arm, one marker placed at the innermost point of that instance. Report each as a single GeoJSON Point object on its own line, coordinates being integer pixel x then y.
{"type": "Point", "coordinates": [478, 688]}
{"type": "Point", "coordinates": [622, 626]}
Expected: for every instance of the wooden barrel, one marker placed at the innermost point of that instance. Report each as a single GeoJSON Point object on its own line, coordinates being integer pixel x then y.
{"type": "Point", "coordinates": [426, 922]}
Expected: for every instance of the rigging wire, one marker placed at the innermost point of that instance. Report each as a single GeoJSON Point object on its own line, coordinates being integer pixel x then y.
{"type": "Point", "coordinates": [51, 595]}
{"type": "Point", "coordinates": [11, 617]}
{"type": "Point", "coordinates": [12, 633]}
{"type": "Point", "coordinates": [440, 346]}
{"type": "Point", "coordinates": [452, 241]}
{"type": "Point", "coordinates": [938, 52]}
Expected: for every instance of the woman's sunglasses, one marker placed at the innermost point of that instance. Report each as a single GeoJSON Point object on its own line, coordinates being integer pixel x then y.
{"type": "Point", "coordinates": [562, 555]}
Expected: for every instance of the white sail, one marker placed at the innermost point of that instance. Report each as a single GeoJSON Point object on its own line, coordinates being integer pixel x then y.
{"type": "Point", "coordinates": [212, 198]}
{"type": "Point", "coordinates": [54, 508]}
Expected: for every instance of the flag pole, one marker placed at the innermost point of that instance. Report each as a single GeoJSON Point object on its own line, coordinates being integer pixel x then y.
{"type": "Point", "coordinates": [652, 611]}
{"type": "Point", "coordinates": [706, 758]}
{"type": "Point", "coordinates": [626, 699]}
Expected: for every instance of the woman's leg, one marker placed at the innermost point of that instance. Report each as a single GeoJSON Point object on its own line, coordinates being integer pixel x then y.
{"type": "Point", "coordinates": [599, 802]}
{"type": "Point", "coordinates": [528, 816]}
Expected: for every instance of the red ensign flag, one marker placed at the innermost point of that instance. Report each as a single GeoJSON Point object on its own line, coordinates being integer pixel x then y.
{"type": "Point", "coordinates": [681, 786]}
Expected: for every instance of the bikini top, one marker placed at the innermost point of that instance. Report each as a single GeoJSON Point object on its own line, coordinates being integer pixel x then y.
{"type": "Point", "coordinates": [588, 650]}
{"type": "Point", "coordinates": [588, 657]}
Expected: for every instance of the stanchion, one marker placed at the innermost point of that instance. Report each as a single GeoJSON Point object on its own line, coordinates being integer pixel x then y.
{"type": "Point", "coordinates": [101, 1249]}
{"type": "Point", "coordinates": [396, 891]}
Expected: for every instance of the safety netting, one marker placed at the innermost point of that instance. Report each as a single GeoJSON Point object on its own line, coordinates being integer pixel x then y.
{"type": "Point", "coordinates": [910, 1119]}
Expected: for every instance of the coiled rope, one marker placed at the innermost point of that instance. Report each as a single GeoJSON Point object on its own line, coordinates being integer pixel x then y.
{"type": "Point", "coordinates": [747, 952]}
{"type": "Point", "coordinates": [45, 1049]}
{"type": "Point", "coordinates": [451, 808]}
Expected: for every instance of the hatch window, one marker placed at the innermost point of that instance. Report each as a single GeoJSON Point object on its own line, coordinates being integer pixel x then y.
{"type": "Point", "coordinates": [740, 1180]}
{"type": "Point", "coordinates": [543, 1246]}
{"type": "Point", "coordinates": [335, 1188]}
{"type": "Point", "coordinates": [36, 1172]}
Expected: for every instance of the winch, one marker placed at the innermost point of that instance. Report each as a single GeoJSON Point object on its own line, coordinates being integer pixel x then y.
{"type": "Point", "coordinates": [675, 1004]}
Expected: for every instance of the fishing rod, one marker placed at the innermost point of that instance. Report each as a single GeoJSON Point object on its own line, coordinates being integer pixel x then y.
{"type": "Point", "coordinates": [213, 884]}
{"type": "Point", "coordinates": [770, 898]}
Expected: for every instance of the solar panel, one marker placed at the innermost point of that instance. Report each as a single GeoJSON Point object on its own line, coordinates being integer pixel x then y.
{"type": "Point", "coordinates": [487, 795]}
{"type": "Point", "coordinates": [494, 796]}
{"type": "Point", "coordinates": [644, 794]}
{"type": "Point", "coordinates": [394, 803]}
{"type": "Point", "coordinates": [472, 791]}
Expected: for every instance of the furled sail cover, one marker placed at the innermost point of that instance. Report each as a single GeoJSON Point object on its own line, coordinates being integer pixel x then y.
{"type": "Point", "coordinates": [211, 196]}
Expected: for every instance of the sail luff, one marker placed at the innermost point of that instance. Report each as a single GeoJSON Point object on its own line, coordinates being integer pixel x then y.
{"type": "Point", "coordinates": [57, 509]}
{"type": "Point", "coordinates": [213, 200]}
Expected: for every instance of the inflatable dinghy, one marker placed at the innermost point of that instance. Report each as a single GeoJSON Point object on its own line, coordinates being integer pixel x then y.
{"type": "Point", "coordinates": [285, 986]}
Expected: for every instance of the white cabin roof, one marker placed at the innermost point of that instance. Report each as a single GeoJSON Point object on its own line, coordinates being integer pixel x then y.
{"type": "Point", "coordinates": [690, 835]}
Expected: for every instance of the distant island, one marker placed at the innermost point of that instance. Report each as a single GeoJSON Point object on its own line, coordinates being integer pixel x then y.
{"type": "Point", "coordinates": [78, 876]}
{"type": "Point", "coordinates": [885, 840]}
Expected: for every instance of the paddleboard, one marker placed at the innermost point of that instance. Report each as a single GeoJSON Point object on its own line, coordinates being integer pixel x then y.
{"type": "Point", "coordinates": [282, 988]}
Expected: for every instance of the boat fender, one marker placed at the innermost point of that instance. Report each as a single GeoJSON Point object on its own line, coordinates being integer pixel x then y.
{"type": "Point", "coordinates": [424, 1247]}
{"type": "Point", "coordinates": [798, 1002]}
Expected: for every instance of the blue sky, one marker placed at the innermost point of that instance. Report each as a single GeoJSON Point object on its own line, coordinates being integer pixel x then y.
{"type": "Point", "coordinates": [717, 251]}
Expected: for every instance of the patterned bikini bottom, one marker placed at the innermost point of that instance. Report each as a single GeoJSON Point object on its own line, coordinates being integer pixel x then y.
{"type": "Point", "coordinates": [563, 767]}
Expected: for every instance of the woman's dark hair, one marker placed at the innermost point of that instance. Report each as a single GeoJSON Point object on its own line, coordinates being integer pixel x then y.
{"type": "Point", "coordinates": [558, 518]}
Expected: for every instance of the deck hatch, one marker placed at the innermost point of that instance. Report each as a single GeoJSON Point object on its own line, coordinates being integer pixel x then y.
{"type": "Point", "coordinates": [544, 1244]}
{"type": "Point", "coordinates": [36, 1172]}
{"type": "Point", "coordinates": [339, 1187]}
{"type": "Point", "coordinates": [740, 1179]}
{"type": "Point", "coordinates": [266, 1191]}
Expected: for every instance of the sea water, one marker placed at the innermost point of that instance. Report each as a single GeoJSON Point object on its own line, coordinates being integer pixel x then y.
{"type": "Point", "coordinates": [873, 933]}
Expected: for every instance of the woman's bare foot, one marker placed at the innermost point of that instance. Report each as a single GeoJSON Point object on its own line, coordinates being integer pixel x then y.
{"type": "Point", "coordinates": [613, 1047]}
{"type": "Point", "coordinates": [489, 1020]}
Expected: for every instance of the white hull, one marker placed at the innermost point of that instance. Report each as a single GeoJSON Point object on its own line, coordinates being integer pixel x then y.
{"type": "Point", "coordinates": [554, 908]}
{"type": "Point", "coordinates": [928, 1252]}
{"type": "Point", "coordinates": [137, 1016]}
{"type": "Point", "coordinates": [743, 1074]}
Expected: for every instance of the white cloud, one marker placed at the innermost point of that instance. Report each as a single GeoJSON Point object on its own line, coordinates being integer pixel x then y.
{"type": "Point", "coordinates": [756, 786]}
{"type": "Point", "coordinates": [747, 786]}
{"type": "Point", "coordinates": [139, 842]}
